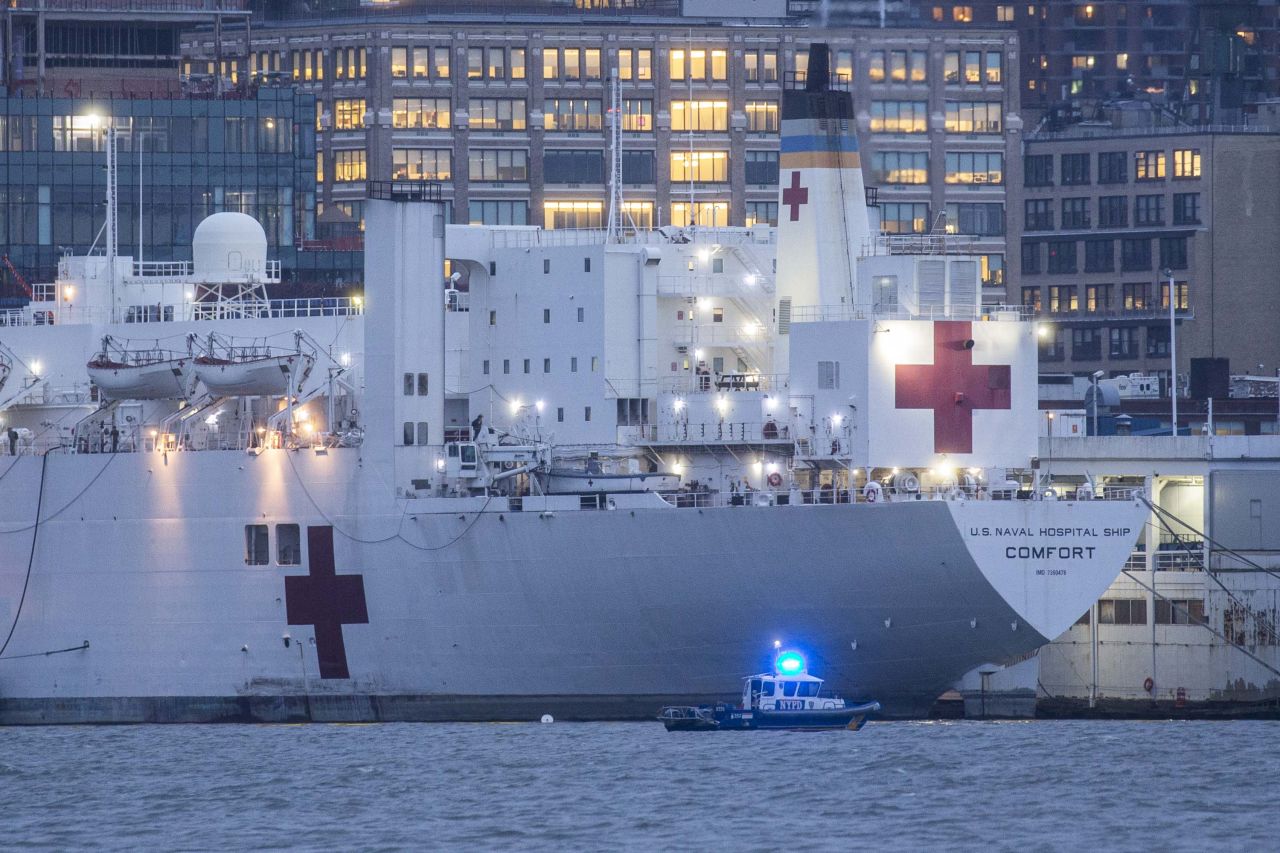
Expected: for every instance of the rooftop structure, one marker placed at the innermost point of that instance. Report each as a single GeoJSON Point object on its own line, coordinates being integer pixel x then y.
{"type": "Point", "coordinates": [128, 48]}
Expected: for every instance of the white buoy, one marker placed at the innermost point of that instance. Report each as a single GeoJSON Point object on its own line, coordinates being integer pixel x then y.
{"type": "Point", "coordinates": [547, 718]}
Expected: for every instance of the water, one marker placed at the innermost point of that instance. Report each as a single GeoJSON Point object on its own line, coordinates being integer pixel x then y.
{"type": "Point", "coordinates": [897, 786]}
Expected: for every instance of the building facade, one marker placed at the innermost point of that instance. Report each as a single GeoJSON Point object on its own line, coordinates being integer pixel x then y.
{"type": "Point", "coordinates": [1208, 60]}
{"type": "Point", "coordinates": [514, 119]}
{"type": "Point", "coordinates": [1109, 214]}
{"type": "Point", "coordinates": [179, 160]}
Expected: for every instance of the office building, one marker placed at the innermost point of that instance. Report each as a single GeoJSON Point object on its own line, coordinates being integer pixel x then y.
{"type": "Point", "coordinates": [1209, 61]}
{"type": "Point", "coordinates": [179, 160]}
{"type": "Point", "coordinates": [1110, 211]}
{"type": "Point", "coordinates": [510, 112]}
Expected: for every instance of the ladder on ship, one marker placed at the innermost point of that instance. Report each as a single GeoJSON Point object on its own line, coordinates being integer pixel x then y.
{"type": "Point", "coordinates": [179, 423]}
{"type": "Point", "coordinates": [82, 434]}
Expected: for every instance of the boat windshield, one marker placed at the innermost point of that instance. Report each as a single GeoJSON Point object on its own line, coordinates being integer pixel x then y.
{"type": "Point", "coordinates": [801, 688]}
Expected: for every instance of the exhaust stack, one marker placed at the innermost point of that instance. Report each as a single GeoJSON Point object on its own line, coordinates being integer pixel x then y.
{"type": "Point", "coordinates": [822, 208]}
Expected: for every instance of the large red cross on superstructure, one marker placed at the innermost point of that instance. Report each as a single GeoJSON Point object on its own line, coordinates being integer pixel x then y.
{"type": "Point", "coordinates": [794, 196]}
{"type": "Point", "coordinates": [327, 600]}
{"type": "Point", "coordinates": [953, 386]}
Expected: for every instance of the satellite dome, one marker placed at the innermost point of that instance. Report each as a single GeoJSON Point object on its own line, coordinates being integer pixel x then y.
{"type": "Point", "coordinates": [229, 247]}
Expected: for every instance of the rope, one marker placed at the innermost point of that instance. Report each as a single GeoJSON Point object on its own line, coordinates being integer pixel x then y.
{"type": "Point", "coordinates": [78, 648]}
{"type": "Point", "coordinates": [68, 504]}
{"type": "Point", "coordinates": [31, 557]}
{"type": "Point", "coordinates": [1160, 511]}
{"type": "Point", "coordinates": [397, 534]}
{"type": "Point", "coordinates": [1204, 624]}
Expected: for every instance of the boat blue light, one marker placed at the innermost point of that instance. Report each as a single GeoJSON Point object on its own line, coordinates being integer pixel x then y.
{"type": "Point", "coordinates": [789, 663]}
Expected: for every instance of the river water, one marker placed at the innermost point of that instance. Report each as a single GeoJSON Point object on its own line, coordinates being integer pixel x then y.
{"type": "Point", "coordinates": [570, 786]}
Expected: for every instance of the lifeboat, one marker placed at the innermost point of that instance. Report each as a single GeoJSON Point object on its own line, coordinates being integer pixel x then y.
{"type": "Point", "coordinates": [252, 375]}
{"type": "Point", "coordinates": [150, 375]}
{"type": "Point", "coordinates": [571, 481]}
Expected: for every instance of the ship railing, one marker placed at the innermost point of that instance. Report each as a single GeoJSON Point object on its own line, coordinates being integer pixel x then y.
{"type": "Point", "coordinates": [727, 334]}
{"type": "Point", "coordinates": [715, 284]}
{"type": "Point", "coordinates": [920, 244]}
{"type": "Point", "coordinates": [533, 237]}
{"type": "Point", "coordinates": [711, 383]}
{"type": "Point", "coordinates": [1178, 561]}
{"type": "Point", "coordinates": [327, 306]}
{"type": "Point", "coordinates": [721, 432]}
{"type": "Point", "coordinates": [457, 300]}
{"type": "Point", "coordinates": [830, 494]}
{"type": "Point", "coordinates": [888, 311]}
{"type": "Point", "coordinates": [162, 269]}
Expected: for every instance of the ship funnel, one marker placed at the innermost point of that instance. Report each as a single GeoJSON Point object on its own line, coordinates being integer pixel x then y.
{"type": "Point", "coordinates": [404, 331]}
{"type": "Point", "coordinates": [818, 74]}
{"type": "Point", "coordinates": [822, 207]}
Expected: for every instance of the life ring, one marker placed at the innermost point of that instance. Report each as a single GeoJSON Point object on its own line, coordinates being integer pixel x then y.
{"type": "Point", "coordinates": [1148, 685]}
{"type": "Point", "coordinates": [871, 492]}
{"type": "Point", "coordinates": [775, 480]}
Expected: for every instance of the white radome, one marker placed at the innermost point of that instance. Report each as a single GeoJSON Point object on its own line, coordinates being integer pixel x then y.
{"type": "Point", "coordinates": [229, 247]}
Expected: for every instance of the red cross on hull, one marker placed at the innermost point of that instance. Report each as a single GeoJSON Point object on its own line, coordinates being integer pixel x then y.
{"type": "Point", "coordinates": [794, 196]}
{"type": "Point", "coordinates": [326, 600]}
{"type": "Point", "coordinates": [953, 387]}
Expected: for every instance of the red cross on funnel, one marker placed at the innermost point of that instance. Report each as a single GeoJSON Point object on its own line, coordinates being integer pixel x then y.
{"type": "Point", "coordinates": [326, 600]}
{"type": "Point", "coordinates": [794, 196]}
{"type": "Point", "coordinates": [953, 386]}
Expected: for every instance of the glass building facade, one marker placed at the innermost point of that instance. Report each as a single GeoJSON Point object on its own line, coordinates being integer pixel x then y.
{"type": "Point", "coordinates": [178, 161]}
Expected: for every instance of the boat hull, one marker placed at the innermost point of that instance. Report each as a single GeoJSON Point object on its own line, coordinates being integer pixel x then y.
{"type": "Point", "coordinates": [468, 615]}
{"type": "Point", "coordinates": [164, 380]}
{"type": "Point", "coordinates": [580, 482]}
{"type": "Point", "coordinates": [259, 377]}
{"type": "Point", "coordinates": [730, 718]}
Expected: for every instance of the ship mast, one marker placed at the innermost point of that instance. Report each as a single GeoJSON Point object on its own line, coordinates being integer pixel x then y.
{"type": "Point", "coordinates": [113, 231]}
{"type": "Point", "coordinates": [617, 209]}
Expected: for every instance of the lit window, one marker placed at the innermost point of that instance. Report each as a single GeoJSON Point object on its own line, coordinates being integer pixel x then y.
{"type": "Point", "coordinates": [706, 214]}
{"type": "Point", "coordinates": [573, 214]}
{"type": "Point", "coordinates": [1149, 165]}
{"type": "Point", "coordinates": [348, 114]}
{"type": "Point", "coordinates": [1186, 163]}
{"type": "Point", "coordinates": [349, 165]}
{"type": "Point", "coordinates": [700, 115]}
{"type": "Point", "coordinates": [700, 166]}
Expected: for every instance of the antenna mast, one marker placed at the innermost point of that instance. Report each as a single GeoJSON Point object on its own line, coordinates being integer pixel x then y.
{"type": "Point", "coordinates": [617, 209]}
{"type": "Point", "coordinates": [112, 227]}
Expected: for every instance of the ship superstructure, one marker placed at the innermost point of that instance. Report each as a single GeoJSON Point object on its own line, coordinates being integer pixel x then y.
{"type": "Point", "coordinates": [605, 455]}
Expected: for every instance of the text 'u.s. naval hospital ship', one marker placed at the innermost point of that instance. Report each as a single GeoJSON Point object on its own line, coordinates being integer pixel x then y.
{"type": "Point", "coordinates": [603, 478]}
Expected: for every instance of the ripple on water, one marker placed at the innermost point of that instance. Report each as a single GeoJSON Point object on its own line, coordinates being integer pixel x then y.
{"type": "Point", "coordinates": [965, 785]}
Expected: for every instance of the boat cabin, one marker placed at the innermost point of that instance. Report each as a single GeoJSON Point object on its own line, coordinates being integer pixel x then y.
{"type": "Point", "coordinates": [789, 687]}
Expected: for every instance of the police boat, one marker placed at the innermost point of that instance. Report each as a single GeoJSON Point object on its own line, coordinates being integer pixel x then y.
{"type": "Point", "coordinates": [787, 698]}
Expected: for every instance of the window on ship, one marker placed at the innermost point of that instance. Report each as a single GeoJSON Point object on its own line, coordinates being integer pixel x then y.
{"type": "Point", "coordinates": [257, 550]}
{"type": "Point", "coordinates": [288, 545]}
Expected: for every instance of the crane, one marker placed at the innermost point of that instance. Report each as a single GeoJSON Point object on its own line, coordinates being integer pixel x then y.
{"type": "Point", "coordinates": [26, 288]}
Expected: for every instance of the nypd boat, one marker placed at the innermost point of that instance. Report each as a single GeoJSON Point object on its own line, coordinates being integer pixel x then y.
{"type": "Point", "coordinates": [787, 698]}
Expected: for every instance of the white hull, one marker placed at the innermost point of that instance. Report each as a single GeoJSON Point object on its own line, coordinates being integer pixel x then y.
{"type": "Point", "coordinates": [263, 376]}
{"type": "Point", "coordinates": [577, 612]}
{"type": "Point", "coordinates": [164, 380]}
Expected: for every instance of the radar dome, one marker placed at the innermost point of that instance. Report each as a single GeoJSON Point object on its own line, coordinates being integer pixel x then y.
{"type": "Point", "coordinates": [229, 247]}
